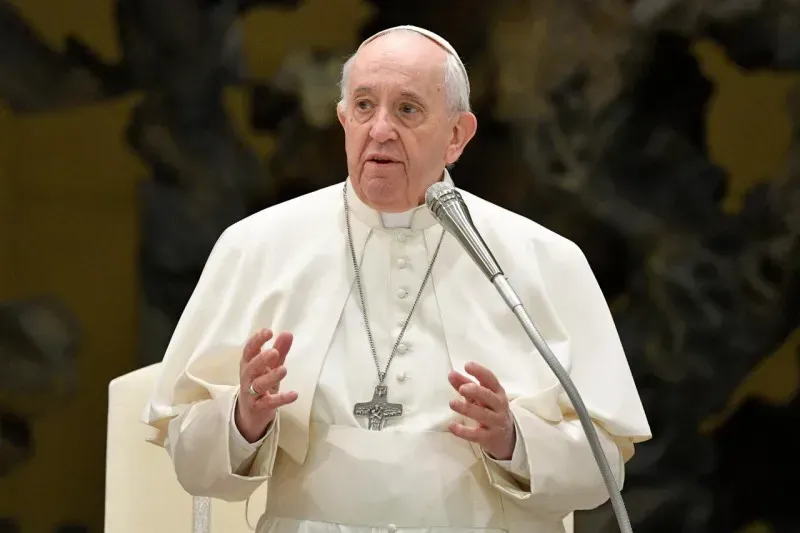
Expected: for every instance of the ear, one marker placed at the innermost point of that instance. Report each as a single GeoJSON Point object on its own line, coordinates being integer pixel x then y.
{"type": "Point", "coordinates": [340, 112]}
{"type": "Point", "coordinates": [463, 131]}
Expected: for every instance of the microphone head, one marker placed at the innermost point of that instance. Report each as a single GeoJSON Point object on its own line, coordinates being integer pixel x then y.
{"type": "Point", "coordinates": [439, 194]}
{"type": "Point", "coordinates": [448, 208]}
{"type": "Point", "coordinates": [435, 191]}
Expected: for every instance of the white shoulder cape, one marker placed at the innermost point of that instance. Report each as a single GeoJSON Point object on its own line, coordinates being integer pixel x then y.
{"type": "Point", "coordinates": [288, 268]}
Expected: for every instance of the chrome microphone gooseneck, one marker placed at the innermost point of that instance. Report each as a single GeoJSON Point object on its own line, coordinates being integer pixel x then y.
{"type": "Point", "coordinates": [447, 207]}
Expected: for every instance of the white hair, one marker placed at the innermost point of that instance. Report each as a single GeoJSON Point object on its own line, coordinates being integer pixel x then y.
{"type": "Point", "coordinates": [456, 84]}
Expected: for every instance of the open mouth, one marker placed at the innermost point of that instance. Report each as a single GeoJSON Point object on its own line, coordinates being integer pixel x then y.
{"type": "Point", "coordinates": [381, 160]}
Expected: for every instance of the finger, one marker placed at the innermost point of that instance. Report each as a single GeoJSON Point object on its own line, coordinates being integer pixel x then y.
{"type": "Point", "coordinates": [458, 380]}
{"type": "Point", "coordinates": [484, 376]}
{"type": "Point", "coordinates": [283, 343]}
{"type": "Point", "coordinates": [260, 365]}
{"type": "Point", "coordinates": [478, 413]}
{"type": "Point", "coordinates": [269, 381]}
{"type": "Point", "coordinates": [274, 401]}
{"type": "Point", "coordinates": [477, 435]}
{"type": "Point", "coordinates": [484, 397]}
{"type": "Point", "coordinates": [253, 345]}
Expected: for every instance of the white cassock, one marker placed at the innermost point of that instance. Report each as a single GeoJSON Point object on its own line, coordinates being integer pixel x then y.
{"type": "Point", "coordinates": [289, 268]}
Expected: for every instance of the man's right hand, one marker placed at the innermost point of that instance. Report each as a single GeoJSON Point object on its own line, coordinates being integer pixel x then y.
{"type": "Point", "coordinates": [264, 371]}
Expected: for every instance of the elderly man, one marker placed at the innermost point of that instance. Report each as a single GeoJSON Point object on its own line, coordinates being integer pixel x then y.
{"type": "Point", "coordinates": [397, 391]}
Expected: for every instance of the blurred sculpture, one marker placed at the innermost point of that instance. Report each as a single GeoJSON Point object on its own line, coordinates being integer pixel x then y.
{"type": "Point", "coordinates": [182, 54]}
{"type": "Point", "coordinates": [755, 33]}
{"type": "Point", "coordinates": [204, 178]}
{"type": "Point", "coordinates": [34, 77]}
{"type": "Point", "coordinates": [768, 462]}
{"type": "Point", "coordinates": [298, 107]}
{"type": "Point", "coordinates": [39, 340]}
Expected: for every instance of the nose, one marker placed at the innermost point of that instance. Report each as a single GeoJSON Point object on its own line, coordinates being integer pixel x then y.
{"type": "Point", "coordinates": [382, 129]}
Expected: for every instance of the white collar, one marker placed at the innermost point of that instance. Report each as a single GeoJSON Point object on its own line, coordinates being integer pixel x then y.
{"type": "Point", "coordinates": [397, 220]}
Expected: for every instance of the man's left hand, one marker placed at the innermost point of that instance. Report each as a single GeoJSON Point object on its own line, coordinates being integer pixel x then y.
{"type": "Point", "coordinates": [486, 403]}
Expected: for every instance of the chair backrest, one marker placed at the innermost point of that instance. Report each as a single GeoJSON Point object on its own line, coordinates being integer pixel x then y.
{"type": "Point", "coordinates": [569, 524]}
{"type": "Point", "coordinates": [142, 493]}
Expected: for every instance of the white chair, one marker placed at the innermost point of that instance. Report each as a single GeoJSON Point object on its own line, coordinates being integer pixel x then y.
{"type": "Point", "coordinates": [142, 494]}
{"type": "Point", "coordinates": [569, 524]}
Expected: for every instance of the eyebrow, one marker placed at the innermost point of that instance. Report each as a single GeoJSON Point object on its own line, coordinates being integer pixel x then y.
{"type": "Point", "coordinates": [411, 95]}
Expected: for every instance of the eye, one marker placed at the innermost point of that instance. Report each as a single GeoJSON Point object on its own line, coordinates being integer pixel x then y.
{"type": "Point", "coordinates": [363, 105]}
{"type": "Point", "coordinates": [408, 109]}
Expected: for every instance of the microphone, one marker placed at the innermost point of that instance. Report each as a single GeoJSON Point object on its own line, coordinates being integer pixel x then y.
{"type": "Point", "coordinates": [448, 208]}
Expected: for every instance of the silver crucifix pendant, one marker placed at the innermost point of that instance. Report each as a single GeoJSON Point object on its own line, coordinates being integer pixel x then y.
{"type": "Point", "coordinates": [378, 409]}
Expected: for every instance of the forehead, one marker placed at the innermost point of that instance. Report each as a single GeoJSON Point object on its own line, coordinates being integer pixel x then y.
{"type": "Point", "coordinates": [401, 61]}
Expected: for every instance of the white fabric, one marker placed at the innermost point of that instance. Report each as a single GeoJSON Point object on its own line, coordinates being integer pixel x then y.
{"type": "Point", "coordinates": [243, 452]}
{"type": "Point", "coordinates": [289, 268]}
{"type": "Point", "coordinates": [396, 258]}
{"type": "Point", "coordinates": [141, 492]}
{"type": "Point", "coordinates": [397, 220]}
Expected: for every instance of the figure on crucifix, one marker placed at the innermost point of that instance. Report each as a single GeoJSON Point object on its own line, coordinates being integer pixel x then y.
{"type": "Point", "coordinates": [378, 409]}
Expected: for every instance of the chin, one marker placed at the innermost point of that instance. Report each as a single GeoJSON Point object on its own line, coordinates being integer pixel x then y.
{"type": "Point", "coordinates": [386, 193]}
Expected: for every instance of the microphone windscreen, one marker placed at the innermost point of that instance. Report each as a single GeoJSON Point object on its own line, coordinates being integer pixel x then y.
{"type": "Point", "coordinates": [435, 193]}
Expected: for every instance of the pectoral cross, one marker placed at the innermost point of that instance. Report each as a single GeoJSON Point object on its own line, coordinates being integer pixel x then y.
{"type": "Point", "coordinates": [378, 409]}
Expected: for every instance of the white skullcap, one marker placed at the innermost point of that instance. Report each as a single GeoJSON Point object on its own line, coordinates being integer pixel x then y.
{"type": "Point", "coordinates": [438, 39]}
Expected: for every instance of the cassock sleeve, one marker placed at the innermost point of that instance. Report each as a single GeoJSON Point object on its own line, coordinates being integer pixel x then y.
{"type": "Point", "coordinates": [517, 466]}
{"type": "Point", "coordinates": [192, 405]}
{"type": "Point", "coordinates": [562, 474]}
{"type": "Point", "coordinates": [243, 452]}
{"type": "Point", "coordinates": [199, 443]}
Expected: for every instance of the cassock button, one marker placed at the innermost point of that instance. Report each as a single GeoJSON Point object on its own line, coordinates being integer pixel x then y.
{"type": "Point", "coordinates": [401, 237]}
{"type": "Point", "coordinates": [402, 293]}
{"type": "Point", "coordinates": [402, 348]}
{"type": "Point", "coordinates": [402, 376]}
{"type": "Point", "coordinates": [392, 528]}
{"type": "Point", "coordinates": [401, 263]}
